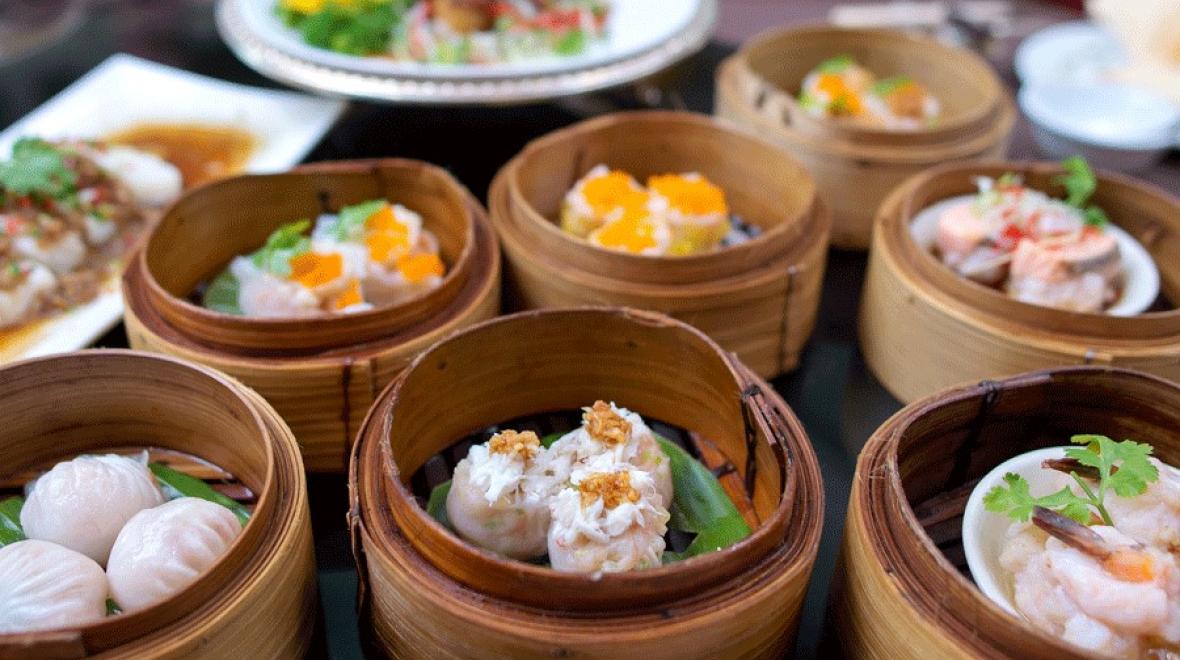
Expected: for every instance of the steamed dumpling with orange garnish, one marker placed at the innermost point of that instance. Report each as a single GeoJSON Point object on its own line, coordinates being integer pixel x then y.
{"type": "Point", "coordinates": [597, 197]}
{"type": "Point", "coordinates": [499, 495]}
{"type": "Point", "coordinates": [368, 255]}
{"type": "Point", "coordinates": [839, 87]}
{"type": "Point", "coordinates": [634, 229]}
{"type": "Point", "coordinates": [696, 211]}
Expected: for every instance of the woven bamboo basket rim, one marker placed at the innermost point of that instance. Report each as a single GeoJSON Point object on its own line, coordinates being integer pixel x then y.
{"type": "Point", "coordinates": [766, 50]}
{"type": "Point", "coordinates": [583, 592]}
{"type": "Point", "coordinates": [982, 304]}
{"type": "Point", "coordinates": [378, 543]}
{"type": "Point", "coordinates": [485, 267]}
{"type": "Point", "coordinates": [921, 574]}
{"type": "Point", "coordinates": [729, 93]}
{"type": "Point", "coordinates": [324, 331]}
{"type": "Point", "coordinates": [513, 234]}
{"type": "Point", "coordinates": [246, 550]}
{"type": "Point", "coordinates": [666, 269]}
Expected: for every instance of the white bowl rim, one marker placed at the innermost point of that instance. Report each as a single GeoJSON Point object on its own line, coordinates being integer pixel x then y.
{"type": "Point", "coordinates": [1033, 100]}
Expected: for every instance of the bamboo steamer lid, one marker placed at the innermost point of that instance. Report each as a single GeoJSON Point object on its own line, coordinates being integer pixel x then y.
{"type": "Point", "coordinates": [855, 167]}
{"type": "Point", "coordinates": [758, 299]}
{"type": "Point", "coordinates": [427, 593]}
{"type": "Point", "coordinates": [903, 590]}
{"type": "Point", "coordinates": [259, 599]}
{"type": "Point", "coordinates": [320, 374]}
{"type": "Point", "coordinates": [923, 328]}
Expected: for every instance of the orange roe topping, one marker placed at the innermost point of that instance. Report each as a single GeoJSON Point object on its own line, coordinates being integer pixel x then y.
{"type": "Point", "coordinates": [634, 231]}
{"type": "Point", "coordinates": [613, 487]}
{"type": "Point", "coordinates": [386, 235]}
{"type": "Point", "coordinates": [351, 296]}
{"type": "Point", "coordinates": [524, 444]}
{"type": "Point", "coordinates": [610, 191]}
{"type": "Point", "coordinates": [418, 267]}
{"type": "Point", "coordinates": [842, 99]}
{"type": "Point", "coordinates": [605, 425]}
{"type": "Point", "coordinates": [312, 269]}
{"type": "Point", "coordinates": [690, 195]}
{"type": "Point", "coordinates": [1130, 565]}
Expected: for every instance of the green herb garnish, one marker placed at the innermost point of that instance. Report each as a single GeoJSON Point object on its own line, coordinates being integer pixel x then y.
{"type": "Point", "coordinates": [281, 246]}
{"type": "Point", "coordinates": [1080, 184]}
{"type": "Point", "coordinates": [1121, 466]}
{"type": "Point", "coordinates": [10, 528]}
{"type": "Point", "coordinates": [571, 43]}
{"type": "Point", "coordinates": [365, 29]}
{"type": "Point", "coordinates": [113, 608]}
{"type": "Point", "coordinates": [836, 64]}
{"type": "Point", "coordinates": [887, 86]}
{"type": "Point", "coordinates": [177, 484]}
{"type": "Point", "coordinates": [37, 168]}
{"type": "Point", "coordinates": [222, 294]}
{"type": "Point", "coordinates": [350, 222]}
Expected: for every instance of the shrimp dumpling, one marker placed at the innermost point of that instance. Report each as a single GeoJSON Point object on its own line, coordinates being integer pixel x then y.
{"type": "Point", "coordinates": [44, 586]}
{"type": "Point", "coordinates": [499, 495]}
{"type": "Point", "coordinates": [608, 521]}
{"type": "Point", "coordinates": [610, 435]}
{"type": "Point", "coordinates": [83, 503]}
{"type": "Point", "coordinates": [163, 550]}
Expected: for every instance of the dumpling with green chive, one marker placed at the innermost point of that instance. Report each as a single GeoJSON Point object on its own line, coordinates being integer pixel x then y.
{"type": "Point", "coordinates": [44, 586]}
{"type": "Point", "coordinates": [499, 495]}
{"type": "Point", "coordinates": [83, 503]}
{"type": "Point", "coordinates": [163, 550]}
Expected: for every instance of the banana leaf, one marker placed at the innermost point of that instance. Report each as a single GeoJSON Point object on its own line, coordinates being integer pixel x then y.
{"type": "Point", "coordinates": [10, 529]}
{"type": "Point", "coordinates": [437, 505]}
{"type": "Point", "coordinates": [177, 484]}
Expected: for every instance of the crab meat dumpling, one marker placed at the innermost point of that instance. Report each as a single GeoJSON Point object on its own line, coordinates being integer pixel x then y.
{"type": "Point", "coordinates": [83, 503]}
{"type": "Point", "coordinates": [611, 435]}
{"type": "Point", "coordinates": [696, 210]}
{"type": "Point", "coordinates": [836, 88]}
{"type": "Point", "coordinates": [44, 586]}
{"type": "Point", "coordinates": [163, 550]}
{"type": "Point", "coordinates": [596, 196]}
{"type": "Point", "coordinates": [608, 521]}
{"type": "Point", "coordinates": [499, 495]}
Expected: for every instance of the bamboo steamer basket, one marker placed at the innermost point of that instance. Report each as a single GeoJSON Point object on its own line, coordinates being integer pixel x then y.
{"type": "Point", "coordinates": [258, 600]}
{"type": "Point", "coordinates": [426, 593]}
{"type": "Point", "coordinates": [321, 374]}
{"type": "Point", "coordinates": [903, 589]}
{"type": "Point", "coordinates": [758, 299]}
{"type": "Point", "coordinates": [854, 166]}
{"type": "Point", "coordinates": [923, 328]}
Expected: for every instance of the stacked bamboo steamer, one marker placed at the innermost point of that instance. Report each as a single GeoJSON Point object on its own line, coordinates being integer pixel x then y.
{"type": "Point", "coordinates": [321, 374]}
{"type": "Point", "coordinates": [259, 599]}
{"type": "Point", "coordinates": [903, 590]}
{"type": "Point", "coordinates": [427, 593]}
{"type": "Point", "coordinates": [856, 166]}
{"type": "Point", "coordinates": [758, 299]}
{"type": "Point", "coordinates": [924, 328]}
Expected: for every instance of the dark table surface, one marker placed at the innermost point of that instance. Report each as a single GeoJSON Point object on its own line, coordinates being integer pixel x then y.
{"type": "Point", "coordinates": [835, 396]}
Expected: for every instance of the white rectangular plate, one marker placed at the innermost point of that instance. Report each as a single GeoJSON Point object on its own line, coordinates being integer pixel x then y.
{"type": "Point", "coordinates": [124, 91]}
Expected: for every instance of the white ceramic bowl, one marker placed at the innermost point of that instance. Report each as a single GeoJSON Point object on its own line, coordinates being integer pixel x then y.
{"type": "Point", "coordinates": [1113, 126]}
{"type": "Point", "coordinates": [984, 532]}
{"type": "Point", "coordinates": [1142, 275]}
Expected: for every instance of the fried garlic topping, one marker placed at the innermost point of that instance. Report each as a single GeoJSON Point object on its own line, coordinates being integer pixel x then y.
{"type": "Point", "coordinates": [524, 444]}
{"type": "Point", "coordinates": [613, 487]}
{"type": "Point", "coordinates": [605, 425]}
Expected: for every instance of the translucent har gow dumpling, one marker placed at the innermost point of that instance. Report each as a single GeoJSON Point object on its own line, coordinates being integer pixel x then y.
{"type": "Point", "coordinates": [163, 550]}
{"type": "Point", "coordinates": [499, 494]}
{"type": "Point", "coordinates": [607, 522]}
{"type": "Point", "coordinates": [83, 503]}
{"type": "Point", "coordinates": [44, 586]}
{"type": "Point", "coordinates": [610, 435]}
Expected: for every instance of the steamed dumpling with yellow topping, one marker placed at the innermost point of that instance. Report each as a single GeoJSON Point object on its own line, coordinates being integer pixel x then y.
{"type": "Point", "coordinates": [609, 436]}
{"type": "Point", "coordinates": [636, 230]}
{"type": "Point", "coordinates": [609, 520]}
{"type": "Point", "coordinates": [597, 197]}
{"type": "Point", "coordinates": [499, 495]}
{"type": "Point", "coordinates": [695, 208]}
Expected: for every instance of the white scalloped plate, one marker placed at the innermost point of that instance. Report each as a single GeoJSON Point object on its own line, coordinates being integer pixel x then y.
{"type": "Point", "coordinates": [286, 126]}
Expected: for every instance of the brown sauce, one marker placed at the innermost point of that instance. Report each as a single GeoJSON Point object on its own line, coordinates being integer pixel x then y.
{"type": "Point", "coordinates": [201, 152]}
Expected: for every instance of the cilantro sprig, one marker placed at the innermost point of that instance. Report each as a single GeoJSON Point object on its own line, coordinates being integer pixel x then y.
{"type": "Point", "coordinates": [1123, 467]}
{"type": "Point", "coordinates": [37, 168]}
{"type": "Point", "coordinates": [1080, 184]}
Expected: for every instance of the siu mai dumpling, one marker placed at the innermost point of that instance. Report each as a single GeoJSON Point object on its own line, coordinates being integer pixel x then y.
{"type": "Point", "coordinates": [607, 522]}
{"type": "Point", "coordinates": [163, 550]}
{"type": "Point", "coordinates": [610, 435]}
{"type": "Point", "coordinates": [83, 503]}
{"type": "Point", "coordinates": [499, 495]}
{"type": "Point", "coordinates": [44, 586]}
